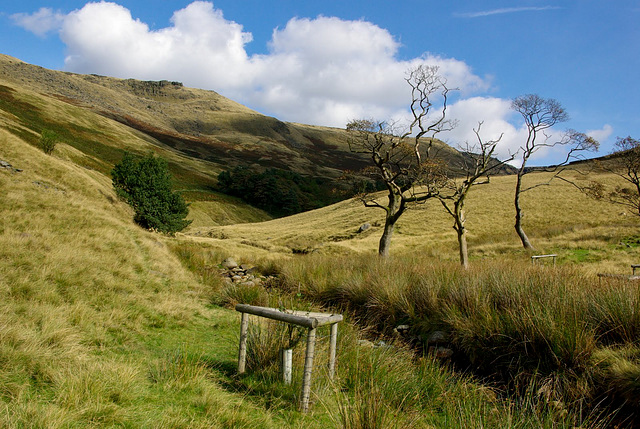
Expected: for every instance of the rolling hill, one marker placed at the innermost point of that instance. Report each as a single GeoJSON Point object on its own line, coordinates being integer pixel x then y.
{"type": "Point", "coordinates": [105, 324]}
{"type": "Point", "coordinates": [194, 123]}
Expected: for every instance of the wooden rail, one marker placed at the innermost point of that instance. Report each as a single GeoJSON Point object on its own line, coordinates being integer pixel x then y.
{"type": "Point", "coordinates": [306, 319]}
{"type": "Point", "coordinates": [535, 258]}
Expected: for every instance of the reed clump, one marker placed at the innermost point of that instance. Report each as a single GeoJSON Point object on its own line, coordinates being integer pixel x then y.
{"type": "Point", "coordinates": [514, 324]}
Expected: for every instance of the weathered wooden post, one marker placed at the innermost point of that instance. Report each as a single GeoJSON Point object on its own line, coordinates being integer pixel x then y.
{"type": "Point", "coordinates": [308, 369]}
{"type": "Point", "coordinates": [286, 365]}
{"type": "Point", "coordinates": [242, 353]}
{"type": "Point", "coordinates": [332, 350]}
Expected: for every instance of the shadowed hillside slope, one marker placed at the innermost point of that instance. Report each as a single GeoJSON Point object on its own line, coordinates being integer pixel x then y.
{"type": "Point", "coordinates": [198, 123]}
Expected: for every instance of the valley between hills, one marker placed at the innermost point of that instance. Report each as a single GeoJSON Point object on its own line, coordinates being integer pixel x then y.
{"type": "Point", "coordinates": [105, 324]}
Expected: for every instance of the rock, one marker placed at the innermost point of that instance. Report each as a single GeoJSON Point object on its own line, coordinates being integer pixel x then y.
{"type": "Point", "coordinates": [236, 279]}
{"type": "Point", "coordinates": [364, 227]}
{"type": "Point", "coordinates": [437, 337]}
{"type": "Point", "coordinates": [441, 352]}
{"type": "Point", "coordinates": [229, 263]}
{"type": "Point", "coordinates": [402, 328]}
{"type": "Point", "coordinates": [365, 343]}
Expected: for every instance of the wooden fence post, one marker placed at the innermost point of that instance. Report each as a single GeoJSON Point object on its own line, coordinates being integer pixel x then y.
{"type": "Point", "coordinates": [286, 364]}
{"type": "Point", "coordinates": [332, 350]}
{"type": "Point", "coordinates": [308, 368]}
{"type": "Point", "coordinates": [242, 353]}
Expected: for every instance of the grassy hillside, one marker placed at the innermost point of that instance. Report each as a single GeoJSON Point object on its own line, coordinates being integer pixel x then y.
{"type": "Point", "coordinates": [197, 123]}
{"type": "Point", "coordinates": [559, 219]}
{"type": "Point", "coordinates": [103, 324]}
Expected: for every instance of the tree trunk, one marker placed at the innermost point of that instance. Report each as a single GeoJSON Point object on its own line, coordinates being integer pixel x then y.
{"type": "Point", "coordinates": [518, 226]}
{"type": "Point", "coordinates": [462, 233]}
{"type": "Point", "coordinates": [394, 210]}
{"type": "Point", "coordinates": [385, 240]}
{"type": "Point", "coordinates": [462, 245]}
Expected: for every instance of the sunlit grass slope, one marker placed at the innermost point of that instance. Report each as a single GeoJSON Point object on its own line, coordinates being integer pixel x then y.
{"type": "Point", "coordinates": [559, 219]}
{"type": "Point", "coordinates": [97, 143]}
{"type": "Point", "coordinates": [100, 325]}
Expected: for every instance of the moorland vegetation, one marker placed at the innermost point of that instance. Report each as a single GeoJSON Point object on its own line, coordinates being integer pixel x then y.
{"type": "Point", "coordinates": [106, 324]}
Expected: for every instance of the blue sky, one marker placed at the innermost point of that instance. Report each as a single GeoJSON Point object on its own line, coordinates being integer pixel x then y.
{"type": "Point", "coordinates": [326, 62]}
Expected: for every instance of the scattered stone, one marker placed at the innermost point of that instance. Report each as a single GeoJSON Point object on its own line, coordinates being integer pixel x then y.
{"type": "Point", "coordinates": [229, 263]}
{"type": "Point", "coordinates": [48, 186]}
{"type": "Point", "coordinates": [437, 337]}
{"type": "Point", "coordinates": [6, 166]}
{"type": "Point", "coordinates": [365, 343]}
{"type": "Point", "coordinates": [243, 274]}
{"type": "Point", "coordinates": [364, 227]}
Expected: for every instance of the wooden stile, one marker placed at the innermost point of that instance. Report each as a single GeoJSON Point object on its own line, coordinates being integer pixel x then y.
{"type": "Point", "coordinates": [307, 319]}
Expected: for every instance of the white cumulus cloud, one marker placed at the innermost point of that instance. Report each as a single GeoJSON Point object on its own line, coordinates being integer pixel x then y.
{"type": "Point", "coordinates": [602, 134]}
{"type": "Point", "coordinates": [322, 70]}
{"type": "Point", "coordinates": [497, 120]}
{"type": "Point", "coordinates": [201, 48]}
{"type": "Point", "coordinates": [44, 21]}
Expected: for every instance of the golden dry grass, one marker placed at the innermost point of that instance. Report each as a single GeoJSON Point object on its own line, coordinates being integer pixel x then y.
{"type": "Point", "coordinates": [88, 301]}
{"type": "Point", "coordinates": [558, 218]}
{"type": "Point", "coordinates": [102, 325]}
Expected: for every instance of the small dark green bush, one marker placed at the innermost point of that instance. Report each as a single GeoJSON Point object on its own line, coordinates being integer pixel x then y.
{"type": "Point", "coordinates": [145, 184]}
{"type": "Point", "coordinates": [279, 192]}
{"type": "Point", "coordinates": [48, 141]}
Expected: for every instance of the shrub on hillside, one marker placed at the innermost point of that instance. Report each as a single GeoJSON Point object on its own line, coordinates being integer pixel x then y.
{"type": "Point", "coordinates": [145, 184]}
{"type": "Point", "coordinates": [48, 141]}
{"type": "Point", "coordinates": [279, 192]}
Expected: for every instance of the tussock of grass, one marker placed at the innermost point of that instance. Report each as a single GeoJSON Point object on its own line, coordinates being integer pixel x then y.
{"type": "Point", "coordinates": [520, 324]}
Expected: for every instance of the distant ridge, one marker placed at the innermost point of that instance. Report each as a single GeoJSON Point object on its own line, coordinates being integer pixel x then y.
{"type": "Point", "coordinates": [195, 122]}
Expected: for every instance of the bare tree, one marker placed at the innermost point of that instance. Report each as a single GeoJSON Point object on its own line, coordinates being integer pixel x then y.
{"type": "Point", "coordinates": [625, 163]}
{"type": "Point", "coordinates": [403, 161]}
{"type": "Point", "coordinates": [539, 115]}
{"type": "Point", "coordinates": [481, 164]}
